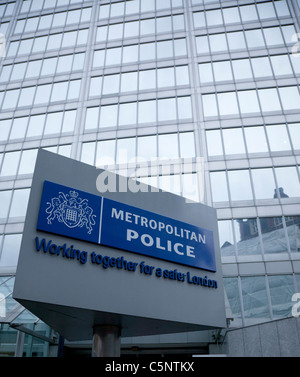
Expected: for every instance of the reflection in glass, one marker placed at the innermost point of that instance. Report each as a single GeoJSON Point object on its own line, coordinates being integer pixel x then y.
{"type": "Point", "coordinates": [293, 231]}
{"type": "Point", "coordinates": [273, 235]}
{"type": "Point", "coordinates": [255, 298]}
{"type": "Point", "coordinates": [226, 238]}
{"type": "Point", "coordinates": [247, 238]}
{"type": "Point", "coordinates": [232, 291]}
{"type": "Point", "coordinates": [287, 179]}
{"type": "Point", "coordinates": [263, 182]}
{"type": "Point", "coordinates": [281, 291]}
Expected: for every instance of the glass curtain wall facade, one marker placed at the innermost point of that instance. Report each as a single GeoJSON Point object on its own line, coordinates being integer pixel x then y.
{"type": "Point", "coordinates": [120, 84]}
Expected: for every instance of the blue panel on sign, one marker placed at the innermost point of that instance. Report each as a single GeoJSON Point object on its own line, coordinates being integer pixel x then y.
{"type": "Point", "coordinates": [80, 215]}
{"type": "Point", "coordinates": [143, 232]}
{"type": "Point", "coordinates": [70, 212]}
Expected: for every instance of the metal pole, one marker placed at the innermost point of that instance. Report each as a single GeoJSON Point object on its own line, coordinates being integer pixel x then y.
{"type": "Point", "coordinates": [106, 341]}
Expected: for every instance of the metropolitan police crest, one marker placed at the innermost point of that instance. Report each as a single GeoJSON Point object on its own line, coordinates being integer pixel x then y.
{"type": "Point", "coordinates": [71, 210]}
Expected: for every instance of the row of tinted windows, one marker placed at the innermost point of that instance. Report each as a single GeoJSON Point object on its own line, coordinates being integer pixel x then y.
{"type": "Point", "coordinates": [251, 101]}
{"type": "Point", "coordinates": [236, 184]}
{"type": "Point", "coordinates": [257, 139]}
{"type": "Point", "coordinates": [241, 14]}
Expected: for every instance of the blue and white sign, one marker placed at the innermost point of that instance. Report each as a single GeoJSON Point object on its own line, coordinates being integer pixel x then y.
{"type": "Point", "coordinates": [81, 215]}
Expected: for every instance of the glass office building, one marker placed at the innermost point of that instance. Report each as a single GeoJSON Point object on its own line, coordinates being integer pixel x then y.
{"type": "Point", "coordinates": [120, 84]}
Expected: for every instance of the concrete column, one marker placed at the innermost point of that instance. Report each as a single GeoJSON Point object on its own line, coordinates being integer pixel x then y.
{"type": "Point", "coordinates": [106, 341]}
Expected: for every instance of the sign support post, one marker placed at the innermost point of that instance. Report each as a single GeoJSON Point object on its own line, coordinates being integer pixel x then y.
{"type": "Point", "coordinates": [106, 341]}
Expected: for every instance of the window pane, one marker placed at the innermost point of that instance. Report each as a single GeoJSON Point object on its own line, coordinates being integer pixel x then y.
{"type": "Point", "coordinates": [264, 184]}
{"type": "Point", "coordinates": [278, 138]}
{"type": "Point", "coordinates": [281, 65]}
{"type": "Point", "coordinates": [147, 112]}
{"type": "Point", "coordinates": [19, 128]}
{"type": "Point", "coordinates": [273, 235]}
{"type": "Point", "coordinates": [281, 292]}
{"type": "Point", "coordinates": [290, 98]}
{"type": "Point", "coordinates": [147, 79]}
{"type": "Point", "coordinates": [222, 71]}
{"type": "Point", "coordinates": [108, 116]}
{"type": "Point", "coordinates": [126, 150]}
{"type": "Point", "coordinates": [269, 100]}
{"type": "Point", "coordinates": [242, 69]}
{"type": "Point", "coordinates": [218, 42]}
{"type": "Point", "coordinates": [293, 230]}
{"type": "Point", "coordinates": [294, 130]}
{"type": "Point", "coordinates": [254, 38]}
{"type": "Point", "coordinates": [26, 97]}
{"type": "Point", "coordinates": [187, 145]}
{"type": "Point", "coordinates": [232, 292]}
{"type": "Point", "coordinates": [227, 103]}
{"type": "Point", "coordinates": [209, 105]}
{"type": "Point", "coordinates": [168, 146]}
{"type": "Point", "coordinates": [53, 123]}
{"type": "Point", "coordinates": [214, 143]}
{"type": "Point", "coordinates": [147, 148]}
{"type": "Point", "coordinates": [256, 139]}
{"type": "Point", "coordinates": [129, 82]}
{"type": "Point", "coordinates": [236, 40]}
{"type": "Point", "coordinates": [19, 203]}
{"type": "Point", "coordinates": [248, 101]}
{"type": "Point", "coordinates": [111, 84]}
{"type": "Point", "coordinates": [255, 298]}
{"type": "Point", "coordinates": [246, 235]}
{"type": "Point", "coordinates": [165, 77]}
{"type": "Point", "coordinates": [127, 113]}
{"type": "Point", "coordinates": [5, 197]}
{"type": "Point", "coordinates": [239, 183]}
{"type": "Point", "coordinates": [28, 161]}
{"type": "Point", "coordinates": [288, 181]}
{"type": "Point", "coordinates": [226, 237]}
{"type": "Point", "coordinates": [10, 163]}
{"type": "Point", "coordinates": [105, 152]}
{"type": "Point", "coordinates": [184, 107]}
{"type": "Point", "coordinates": [88, 153]}
{"type": "Point", "coordinates": [167, 109]}
{"type": "Point", "coordinates": [273, 36]}
{"type": "Point", "coordinates": [233, 141]}
{"type": "Point", "coordinates": [261, 67]}
{"type": "Point", "coordinates": [205, 72]}
{"type": "Point", "coordinates": [219, 186]}
{"type": "Point", "coordinates": [91, 120]}
{"type": "Point", "coordinates": [4, 129]}
{"type": "Point", "coordinates": [10, 250]}
{"type": "Point", "coordinates": [36, 125]}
